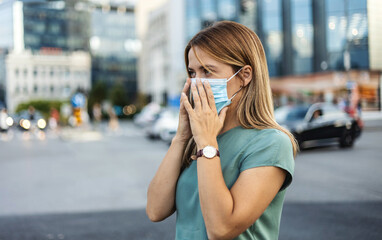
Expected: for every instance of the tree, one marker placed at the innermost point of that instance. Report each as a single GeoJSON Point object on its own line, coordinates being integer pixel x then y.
{"type": "Point", "coordinates": [118, 95]}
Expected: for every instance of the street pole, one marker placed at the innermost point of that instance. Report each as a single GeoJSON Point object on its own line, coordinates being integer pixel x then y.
{"type": "Point", "coordinates": [347, 59]}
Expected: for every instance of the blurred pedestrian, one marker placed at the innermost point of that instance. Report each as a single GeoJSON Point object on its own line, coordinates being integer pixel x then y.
{"type": "Point", "coordinates": [113, 120]}
{"type": "Point", "coordinates": [97, 115]}
{"type": "Point", "coordinates": [31, 113]}
{"type": "Point", "coordinates": [229, 163]}
{"type": "Point", "coordinates": [54, 119]}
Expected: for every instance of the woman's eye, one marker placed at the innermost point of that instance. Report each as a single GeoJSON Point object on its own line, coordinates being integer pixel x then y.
{"type": "Point", "coordinates": [192, 74]}
{"type": "Point", "coordinates": [206, 72]}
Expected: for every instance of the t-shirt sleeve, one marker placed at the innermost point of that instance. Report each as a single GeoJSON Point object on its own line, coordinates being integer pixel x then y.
{"type": "Point", "coordinates": [273, 148]}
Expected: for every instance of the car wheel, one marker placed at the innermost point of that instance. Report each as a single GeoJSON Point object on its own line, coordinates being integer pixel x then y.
{"type": "Point", "coordinates": [347, 139]}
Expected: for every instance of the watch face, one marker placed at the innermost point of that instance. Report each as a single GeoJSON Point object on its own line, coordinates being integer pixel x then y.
{"type": "Point", "coordinates": [209, 152]}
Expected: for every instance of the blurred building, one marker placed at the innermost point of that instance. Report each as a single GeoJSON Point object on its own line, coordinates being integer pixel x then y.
{"type": "Point", "coordinates": [105, 30]}
{"type": "Point", "coordinates": [50, 74]}
{"type": "Point", "coordinates": [161, 64]}
{"type": "Point", "coordinates": [307, 40]}
{"type": "Point", "coordinates": [114, 45]}
{"type": "Point", "coordinates": [2, 77]}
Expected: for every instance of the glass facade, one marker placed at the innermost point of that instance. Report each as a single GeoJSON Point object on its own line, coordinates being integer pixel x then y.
{"type": "Point", "coordinates": [227, 9]}
{"type": "Point", "coordinates": [247, 13]}
{"type": "Point", "coordinates": [208, 12]}
{"type": "Point", "coordinates": [302, 36]}
{"type": "Point", "coordinates": [114, 49]}
{"type": "Point", "coordinates": [273, 35]}
{"type": "Point", "coordinates": [193, 21]}
{"type": "Point", "coordinates": [6, 30]}
{"type": "Point", "coordinates": [286, 29]}
{"type": "Point", "coordinates": [57, 26]}
{"type": "Point", "coordinates": [203, 13]}
{"type": "Point", "coordinates": [347, 29]}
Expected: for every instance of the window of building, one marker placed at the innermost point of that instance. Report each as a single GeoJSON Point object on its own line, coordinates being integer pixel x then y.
{"type": "Point", "coordinates": [347, 29]}
{"type": "Point", "coordinates": [35, 72]}
{"type": "Point", "coordinates": [302, 36]}
{"type": "Point", "coordinates": [208, 12]}
{"type": "Point", "coordinates": [193, 18]}
{"type": "Point", "coordinates": [273, 35]}
{"type": "Point", "coordinates": [227, 9]}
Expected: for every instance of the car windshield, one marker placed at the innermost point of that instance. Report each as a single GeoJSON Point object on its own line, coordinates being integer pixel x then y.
{"type": "Point", "coordinates": [287, 114]}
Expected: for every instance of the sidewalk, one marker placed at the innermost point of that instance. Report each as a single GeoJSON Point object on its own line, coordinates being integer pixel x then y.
{"type": "Point", "coordinates": [372, 120]}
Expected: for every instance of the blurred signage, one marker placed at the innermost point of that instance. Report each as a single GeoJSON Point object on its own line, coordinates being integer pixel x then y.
{"type": "Point", "coordinates": [351, 85]}
{"type": "Point", "coordinates": [173, 101]}
{"type": "Point", "coordinates": [78, 100]}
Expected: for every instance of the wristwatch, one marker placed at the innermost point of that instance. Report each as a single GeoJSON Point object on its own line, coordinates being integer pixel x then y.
{"type": "Point", "coordinates": [208, 152]}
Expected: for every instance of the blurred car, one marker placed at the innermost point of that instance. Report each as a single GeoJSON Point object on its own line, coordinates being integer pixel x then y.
{"type": "Point", "coordinates": [165, 126]}
{"type": "Point", "coordinates": [319, 123]}
{"type": "Point", "coordinates": [6, 121]}
{"type": "Point", "coordinates": [29, 121]}
{"type": "Point", "coordinates": [148, 115]}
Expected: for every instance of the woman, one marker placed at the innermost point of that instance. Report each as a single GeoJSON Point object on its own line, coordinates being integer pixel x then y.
{"type": "Point", "coordinates": [228, 166]}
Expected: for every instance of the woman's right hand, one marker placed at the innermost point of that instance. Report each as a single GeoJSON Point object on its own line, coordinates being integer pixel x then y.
{"type": "Point", "coordinates": [184, 130]}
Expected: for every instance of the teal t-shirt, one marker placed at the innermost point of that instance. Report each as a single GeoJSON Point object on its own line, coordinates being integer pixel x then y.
{"type": "Point", "coordinates": [240, 149]}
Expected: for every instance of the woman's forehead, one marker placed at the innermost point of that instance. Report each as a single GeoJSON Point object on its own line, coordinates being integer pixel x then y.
{"type": "Point", "coordinates": [200, 58]}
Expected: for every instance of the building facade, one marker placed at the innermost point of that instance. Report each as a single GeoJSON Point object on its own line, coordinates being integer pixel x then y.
{"type": "Point", "coordinates": [50, 75]}
{"type": "Point", "coordinates": [105, 30]}
{"type": "Point", "coordinates": [161, 64]}
{"type": "Point", "coordinates": [307, 37]}
{"type": "Point", "coordinates": [114, 47]}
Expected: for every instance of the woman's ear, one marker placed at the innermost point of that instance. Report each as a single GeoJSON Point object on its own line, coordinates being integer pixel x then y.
{"type": "Point", "coordinates": [246, 75]}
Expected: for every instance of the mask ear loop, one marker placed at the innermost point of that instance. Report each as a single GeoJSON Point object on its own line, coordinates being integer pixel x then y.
{"type": "Point", "coordinates": [234, 74]}
{"type": "Point", "coordinates": [235, 93]}
{"type": "Point", "coordinates": [240, 87]}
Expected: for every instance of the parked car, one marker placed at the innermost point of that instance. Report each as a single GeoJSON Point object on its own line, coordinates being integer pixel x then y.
{"type": "Point", "coordinates": [148, 115]}
{"type": "Point", "coordinates": [318, 123]}
{"type": "Point", "coordinates": [6, 121]}
{"type": "Point", "coordinates": [28, 120]}
{"type": "Point", "coordinates": [165, 126]}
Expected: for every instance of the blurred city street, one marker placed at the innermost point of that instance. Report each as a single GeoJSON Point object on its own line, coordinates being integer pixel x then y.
{"type": "Point", "coordinates": [90, 99]}
{"type": "Point", "coordinates": [94, 187]}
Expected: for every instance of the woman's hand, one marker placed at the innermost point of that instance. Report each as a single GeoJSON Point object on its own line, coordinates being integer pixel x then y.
{"type": "Point", "coordinates": [204, 120]}
{"type": "Point", "coordinates": [184, 131]}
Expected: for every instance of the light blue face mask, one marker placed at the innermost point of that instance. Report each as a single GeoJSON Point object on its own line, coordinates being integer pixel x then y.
{"type": "Point", "coordinates": [219, 89]}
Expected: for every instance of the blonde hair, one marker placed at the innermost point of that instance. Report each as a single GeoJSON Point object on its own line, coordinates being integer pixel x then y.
{"type": "Point", "coordinates": [234, 44]}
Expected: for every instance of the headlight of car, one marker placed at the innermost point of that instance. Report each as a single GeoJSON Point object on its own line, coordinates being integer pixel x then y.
{"type": "Point", "coordinates": [41, 123]}
{"type": "Point", "coordinates": [26, 124]}
{"type": "Point", "coordinates": [9, 121]}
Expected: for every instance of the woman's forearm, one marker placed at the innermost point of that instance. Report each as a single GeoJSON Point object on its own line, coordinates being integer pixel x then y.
{"type": "Point", "coordinates": [161, 191]}
{"type": "Point", "coordinates": [215, 198]}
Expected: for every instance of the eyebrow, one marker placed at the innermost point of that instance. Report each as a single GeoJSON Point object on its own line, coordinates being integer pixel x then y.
{"type": "Point", "coordinates": [211, 67]}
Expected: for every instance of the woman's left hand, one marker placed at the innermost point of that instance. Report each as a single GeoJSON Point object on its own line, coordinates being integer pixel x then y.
{"type": "Point", "coordinates": [205, 122]}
